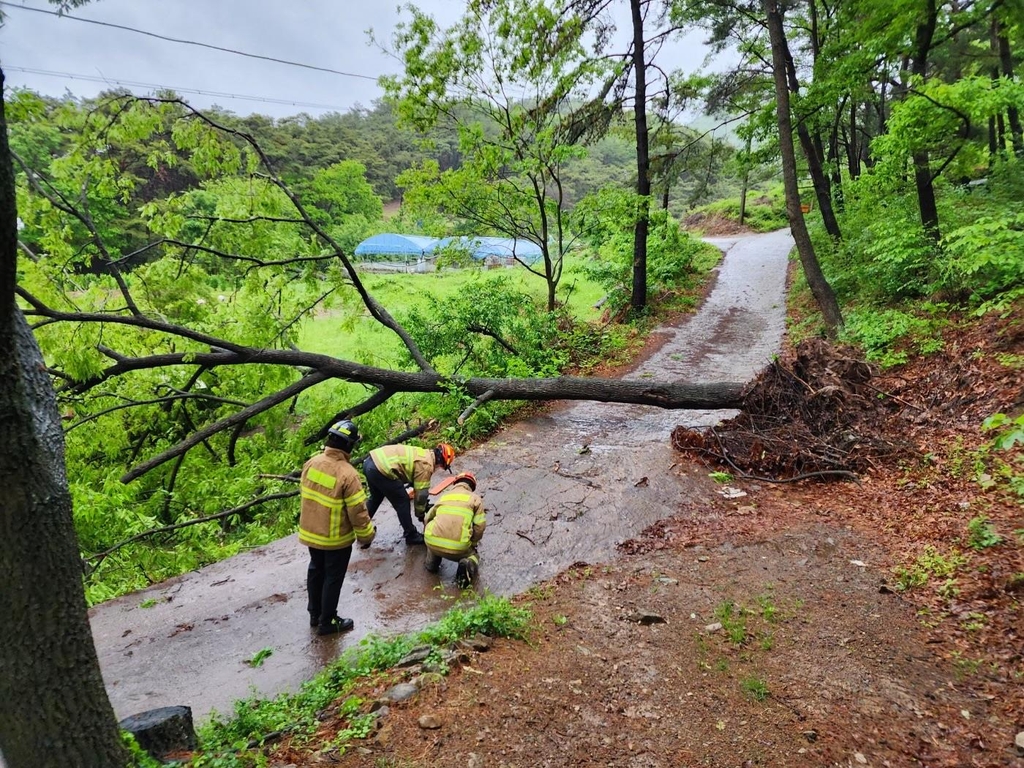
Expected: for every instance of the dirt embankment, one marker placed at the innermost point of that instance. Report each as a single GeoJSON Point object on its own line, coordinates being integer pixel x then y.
{"type": "Point", "coordinates": [807, 624]}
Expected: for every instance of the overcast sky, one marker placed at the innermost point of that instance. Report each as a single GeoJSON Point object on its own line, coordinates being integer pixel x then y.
{"type": "Point", "coordinates": [83, 58]}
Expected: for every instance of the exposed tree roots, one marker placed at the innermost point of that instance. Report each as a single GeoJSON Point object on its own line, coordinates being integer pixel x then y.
{"type": "Point", "coordinates": [813, 415]}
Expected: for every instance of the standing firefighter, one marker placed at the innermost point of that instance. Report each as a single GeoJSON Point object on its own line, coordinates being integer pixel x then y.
{"type": "Point", "coordinates": [389, 469]}
{"type": "Point", "coordinates": [455, 525]}
{"type": "Point", "coordinates": [333, 516]}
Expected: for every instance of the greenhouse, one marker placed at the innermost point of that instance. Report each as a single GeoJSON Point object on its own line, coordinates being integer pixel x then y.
{"type": "Point", "coordinates": [416, 253]}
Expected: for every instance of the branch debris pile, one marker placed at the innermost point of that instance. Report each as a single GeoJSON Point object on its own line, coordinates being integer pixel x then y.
{"type": "Point", "coordinates": [814, 414]}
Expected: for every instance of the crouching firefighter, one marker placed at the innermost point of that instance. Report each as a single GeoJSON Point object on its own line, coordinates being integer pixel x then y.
{"type": "Point", "coordinates": [454, 526]}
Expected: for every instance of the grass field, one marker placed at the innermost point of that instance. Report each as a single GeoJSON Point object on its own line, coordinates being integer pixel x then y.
{"type": "Point", "coordinates": [358, 337]}
{"type": "Point", "coordinates": [365, 340]}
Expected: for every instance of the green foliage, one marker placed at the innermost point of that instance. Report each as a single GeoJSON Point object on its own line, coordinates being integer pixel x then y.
{"type": "Point", "coordinates": [929, 563]}
{"type": "Point", "coordinates": [764, 212]}
{"type": "Point", "coordinates": [733, 618]}
{"type": "Point", "coordinates": [888, 336]}
{"type": "Point", "coordinates": [1009, 432]}
{"type": "Point", "coordinates": [755, 687]}
{"type": "Point", "coordinates": [259, 657]}
{"type": "Point", "coordinates": [473, 75]}
{"type": "Point", "coordinates": [1004, 453]}
{"type": "Point", "coordinates": [228, 739]}
{"type": "Point", "coordinates": [720, 477]}
{"type": "Point", "coordinates": [981, 534]}
{"type": "Point", "coordinates": [982, 258]}
{"type": "Point", "coordinates": [674, 258]}
{"type": "Point", "coordinates": [138, 757]}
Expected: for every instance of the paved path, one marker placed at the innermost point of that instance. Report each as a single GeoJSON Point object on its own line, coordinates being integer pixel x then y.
{"type": "Point", "coordinates": [562, 487]}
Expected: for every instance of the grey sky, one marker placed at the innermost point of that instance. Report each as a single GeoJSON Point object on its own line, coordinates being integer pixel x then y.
{"type": "Point", "coordinates": [322, 33]}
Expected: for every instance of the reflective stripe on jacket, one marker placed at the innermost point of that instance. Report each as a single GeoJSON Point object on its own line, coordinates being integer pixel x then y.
{"type": "Point", "coordinates": [333, 513]}
{"type": "Point", "coordinates": [456, 522]}
{"type": "Point", "coordinates": [406, 463]}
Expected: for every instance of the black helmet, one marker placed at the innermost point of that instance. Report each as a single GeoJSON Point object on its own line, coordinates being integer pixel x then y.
{"type": "Point", "coordinates": [343, 434]}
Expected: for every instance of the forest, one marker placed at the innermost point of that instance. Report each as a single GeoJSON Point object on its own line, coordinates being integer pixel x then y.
{"type": "Point", "coordinates": [183, 280]}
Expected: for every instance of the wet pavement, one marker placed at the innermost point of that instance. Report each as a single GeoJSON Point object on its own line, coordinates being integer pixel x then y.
{"type": "Point", "coordinates": [561, 487]}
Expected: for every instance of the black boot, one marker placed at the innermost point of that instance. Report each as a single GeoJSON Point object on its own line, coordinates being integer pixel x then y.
{"type": "Point", "coordinates": [414, 538]}
{"type": "Point", "coordinates": [466, 574]}
{"type": "Point", "coordinates": [336, 626]}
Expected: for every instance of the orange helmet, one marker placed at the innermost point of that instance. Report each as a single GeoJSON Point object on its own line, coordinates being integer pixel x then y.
{"type": "Point", "coordinates": [444, 455]}
{"type": "Point", "coordinates": [466, 477]}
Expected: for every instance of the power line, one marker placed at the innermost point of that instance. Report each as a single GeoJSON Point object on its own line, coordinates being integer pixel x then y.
{"type": "Point", "coordinates": [155, 86]}
{"type": "Point", "coordinates": [184, 42]}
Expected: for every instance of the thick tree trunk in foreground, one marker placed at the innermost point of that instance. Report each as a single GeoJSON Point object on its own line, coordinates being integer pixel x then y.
{"type": "Point", "coordinates": [54, 709]}
{"type": "Point", "coordinates": [819, 286]}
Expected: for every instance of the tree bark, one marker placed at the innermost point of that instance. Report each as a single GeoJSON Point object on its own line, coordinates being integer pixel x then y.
{"type": "Point", "coordinates": [1006, 65]}
{"type": "Point", "coordinates": [746, 180]}
{"type": "Point", "coordinates": [922, 163]}
{"type": "Point", "coordinates": [54, 710]}
{"type": "Point", "coordinates": [852, 148]}
{"type": "Point", "coordinates": [819, 180]}
{"type": "Point", "coordinates": [638, 300]}
{"type": "Point", "coordinates": [819, 286]}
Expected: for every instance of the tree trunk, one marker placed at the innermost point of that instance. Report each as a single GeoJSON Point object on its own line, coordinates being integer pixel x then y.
{"type": "Point", "coordinates": [922, 163]}
{"type": "Point", "coordinates": [819, 286]}
{"type": "Point", "coordinates": [638, 299]}
{"type": "Point", "coordinates": [822, 192]}
{"type": "Point", "coordinates": [54, 709]}
{"type": "Point", "coordinates": [1012, 114]}
{"type": "Point", "coordinates": [852, 149]}
{"type": "Point", "coordinates": [746, 181]}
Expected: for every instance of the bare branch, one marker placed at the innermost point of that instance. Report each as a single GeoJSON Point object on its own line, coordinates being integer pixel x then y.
{"type": "Point", "coordinates": [243, 415]}
{"type": "Point", "coordinates": [100, 556]}
{"type": "Point", "coordinates": [476, 404]}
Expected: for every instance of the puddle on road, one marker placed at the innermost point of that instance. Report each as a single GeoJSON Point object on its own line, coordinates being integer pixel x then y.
{"type": "Point", "coordinates": [562, 487]}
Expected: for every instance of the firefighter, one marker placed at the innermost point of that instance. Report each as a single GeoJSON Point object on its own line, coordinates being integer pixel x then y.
{"type": "Point", "coordinates": [389, 469]}
{"type": "Point", "coordinates": [455, 525]}
{"type": "Point", "coordinates": [333, 516]}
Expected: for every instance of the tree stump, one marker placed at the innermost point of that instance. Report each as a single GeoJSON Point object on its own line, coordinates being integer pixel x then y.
{"type": "Point", "coordinates": [163, 731]}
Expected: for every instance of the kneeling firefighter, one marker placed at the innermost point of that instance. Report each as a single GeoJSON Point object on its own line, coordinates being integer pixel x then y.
{"type": "Point", "coordinates": [454, 526]}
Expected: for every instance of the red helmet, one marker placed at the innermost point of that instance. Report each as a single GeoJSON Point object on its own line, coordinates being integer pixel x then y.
{"type": "Point", "coordinates": [466, 477]}
{"type": "Point", "coordinates": [444, 455]}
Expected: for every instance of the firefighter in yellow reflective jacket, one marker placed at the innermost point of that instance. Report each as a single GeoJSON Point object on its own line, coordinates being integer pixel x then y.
{"type": "Point", "coordinates": [389, 469]}
{"type": "Point", "coordinates": [333, 516]}
{"type": "Point", "coordinates": [455, 525]}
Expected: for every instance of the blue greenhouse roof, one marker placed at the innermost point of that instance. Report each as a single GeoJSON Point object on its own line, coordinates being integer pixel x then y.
{"type": "Point", "coordinates": [503, 247]}
{"type": "Point", "coordinates": [404, 245]}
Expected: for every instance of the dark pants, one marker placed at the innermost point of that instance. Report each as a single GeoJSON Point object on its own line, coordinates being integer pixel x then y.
{"type": "Point", "coordinates": [394, 491]}
{"type": "Point", "coordinates": [326, 574]}
{"type": "Point", "coordinates": [433, 561]}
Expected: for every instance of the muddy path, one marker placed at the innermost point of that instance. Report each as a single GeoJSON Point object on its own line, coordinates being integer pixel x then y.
{"type": "Point", "coordinates": [561, 487]}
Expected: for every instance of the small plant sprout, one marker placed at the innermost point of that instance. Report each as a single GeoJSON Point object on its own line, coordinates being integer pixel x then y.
{"type": "Point", "coordinates": [259, 657]}
{"type": "Point", "coordinates": [755, 688]}
{"type": "Point", "coordinates": [981, 534]}
{"type": "Point", "coordinates": [720, 477]}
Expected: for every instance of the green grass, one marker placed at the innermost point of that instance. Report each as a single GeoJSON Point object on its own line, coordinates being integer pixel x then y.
{"type": "Point", "coordinates": [224, 742]}
{"type": "Point", "coordinates": [369, 342]}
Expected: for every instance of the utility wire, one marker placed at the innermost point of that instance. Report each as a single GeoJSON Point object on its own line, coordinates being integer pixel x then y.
{"type": "Point", "coordinates": [155, 86]}
{"type": "Point", "coordinates": [184, 42]}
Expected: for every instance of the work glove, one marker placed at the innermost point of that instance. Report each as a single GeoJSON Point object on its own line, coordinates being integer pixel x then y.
{"type": "Point", "coordinates": [365, 543]}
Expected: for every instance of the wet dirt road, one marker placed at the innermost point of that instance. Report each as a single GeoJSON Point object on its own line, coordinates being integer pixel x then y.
{"type": "Point", "coordinates": [561, 487]}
